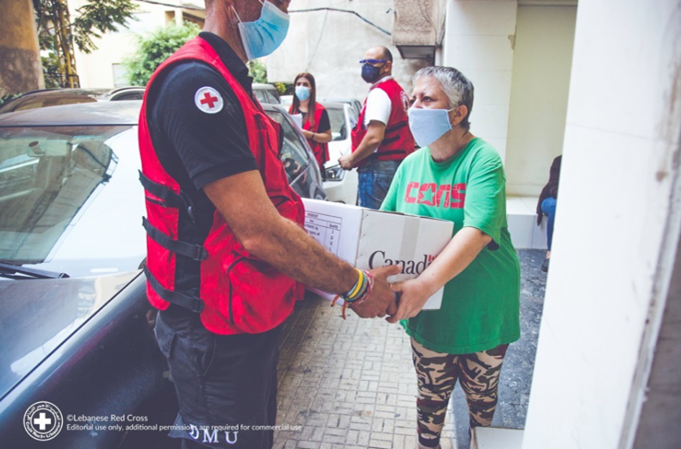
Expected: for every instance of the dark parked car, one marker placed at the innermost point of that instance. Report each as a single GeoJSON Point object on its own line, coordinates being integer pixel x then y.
{"type": "Point", "coordinates": [57, 97]}
{"type": "Point", "coordinates": [79, 365]}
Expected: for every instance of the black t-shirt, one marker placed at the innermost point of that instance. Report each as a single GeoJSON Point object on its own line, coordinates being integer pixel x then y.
{"type": "Point", "coordinates": [324, 122]}
{"type": "Point", "coordinates": [198, 146]}
{"type": "Point", "coordinates": [199, 134]}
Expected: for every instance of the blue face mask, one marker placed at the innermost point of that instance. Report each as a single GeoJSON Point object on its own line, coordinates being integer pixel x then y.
{"type": "Point", "coordinates": [370, 73]}
{"type": "Point", "coordinates": [302, 92]}
{"type": "Point", "coordinates": [262, 37]}
{"type": "Point", "coordinates": [428, 125]}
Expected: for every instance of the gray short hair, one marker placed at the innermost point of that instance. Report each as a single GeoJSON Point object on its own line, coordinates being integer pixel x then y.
{"type": "Point", "coordinates": [456, 86]}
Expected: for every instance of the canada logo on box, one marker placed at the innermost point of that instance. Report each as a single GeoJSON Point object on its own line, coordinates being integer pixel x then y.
{"type": "Point", "coordinates": [379, 259]}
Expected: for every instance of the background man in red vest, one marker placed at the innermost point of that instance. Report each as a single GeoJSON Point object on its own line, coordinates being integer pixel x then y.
{"type": "Point", "coordinates": [227, 256]}
{"type": "Point", "coordinates": [381, 139]}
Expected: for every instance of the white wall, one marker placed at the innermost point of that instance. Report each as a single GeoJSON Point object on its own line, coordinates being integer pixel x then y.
{"type": "Point", "coordinates": [608, 261]}
{"type": "Point", "coordinates": [478, 42]}
{"type": "Point", "coordinates": [539, 95]}
{"type": "Point", "coordinates": [330, 44]}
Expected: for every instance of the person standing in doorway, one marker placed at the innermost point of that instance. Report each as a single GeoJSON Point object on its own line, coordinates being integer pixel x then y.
{"type": "Point", "coordinates": [547, 206]}
{"type": "Point", "coordinates": [315, 119]}
{"type": "Point", "coordinates": [382, 139]}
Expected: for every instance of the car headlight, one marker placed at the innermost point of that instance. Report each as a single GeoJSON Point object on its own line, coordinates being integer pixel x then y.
{"type": "Point", "coordinates": [334, 173]}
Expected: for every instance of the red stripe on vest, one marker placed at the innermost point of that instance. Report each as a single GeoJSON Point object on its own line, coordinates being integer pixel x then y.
{"type": "Point", "coordinates": [241, 293]}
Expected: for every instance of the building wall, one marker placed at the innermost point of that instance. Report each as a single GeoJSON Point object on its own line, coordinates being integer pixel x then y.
{"type": "Point", "coordinates": [539, 93]}
{"type": "Point", "coordinates": [20, 69]}
{"type": "Point", "coordinates": [330, 44]}
{"type": "Point", "coordinates": [660, 416]}
{"type": "Point", "coordinates": [616, 229]}
{"type": "Point", "coordinates": [479, 42]}
{"type": "Point", "coordinates": [97, 69]}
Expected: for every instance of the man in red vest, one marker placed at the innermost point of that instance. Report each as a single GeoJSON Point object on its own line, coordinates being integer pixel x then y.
{"type": "Point", "coordinates": [382, 139]}
{"type": "Point", "coordinates": [227, 256]}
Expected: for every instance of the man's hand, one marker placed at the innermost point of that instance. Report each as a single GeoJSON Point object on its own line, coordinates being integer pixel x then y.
{"type": "Point", "coordinates": [412, 295]}
{"type": "Point", "coordinates": [346, 161]}
{"type": "Point", "coordinates": [371, 141]}
{"type": "Point", "coordinates": [382, 299]}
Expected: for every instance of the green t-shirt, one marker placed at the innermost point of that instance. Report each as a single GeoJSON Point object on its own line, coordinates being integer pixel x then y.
{"type": "Point", "coordinates": [481, 306]}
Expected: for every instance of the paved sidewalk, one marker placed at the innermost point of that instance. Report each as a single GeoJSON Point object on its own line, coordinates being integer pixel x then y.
{"type": "Point", "coordinates": [351, 384]}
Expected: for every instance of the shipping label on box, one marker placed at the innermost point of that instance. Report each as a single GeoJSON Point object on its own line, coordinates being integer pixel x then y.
{"type": "Point", "coordinates": [369, 239]}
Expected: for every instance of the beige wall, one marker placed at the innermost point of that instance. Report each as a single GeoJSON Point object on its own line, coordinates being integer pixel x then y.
{"type": "Point", "coordinates": [539, 93]}
{"type": "Point", "coordinates": [479, 43]}
{"type": "Point", "coordinates": [20, 69]}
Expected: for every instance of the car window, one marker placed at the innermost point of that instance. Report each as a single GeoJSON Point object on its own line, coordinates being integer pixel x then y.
{"type": "Point", "coordinates": [268, 96]}
{"type": "Point", "coordinates": [339, 128]}
{"type": "Point", "coordinates": [294, 155]}
{"type": "Point", "coordinates": [260, 95]}
{"type": "Point", "coordinates": [128, 96]}
{"type": "Point", "coordinates": [57, 181]}
{"type": "Point", "coordinates": [272, 98]}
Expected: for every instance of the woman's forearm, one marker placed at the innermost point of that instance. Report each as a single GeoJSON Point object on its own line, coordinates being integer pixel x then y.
{"type": "Point", "coordinates": [319, 137]}
{"type": "Point", "coordinates": [461, 250]}
{"type": "Point", "coordinates": [324, 137]}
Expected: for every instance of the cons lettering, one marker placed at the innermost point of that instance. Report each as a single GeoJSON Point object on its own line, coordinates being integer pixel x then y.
{"type": "Point", "coordinates": [430, 194]}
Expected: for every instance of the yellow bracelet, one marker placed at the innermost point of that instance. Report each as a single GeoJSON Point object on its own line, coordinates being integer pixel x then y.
{"type": "Point", "coordinates": [358, 285]}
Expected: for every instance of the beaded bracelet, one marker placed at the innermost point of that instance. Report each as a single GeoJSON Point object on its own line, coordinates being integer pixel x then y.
{"type": "Point", "coordinates": [358, 294]}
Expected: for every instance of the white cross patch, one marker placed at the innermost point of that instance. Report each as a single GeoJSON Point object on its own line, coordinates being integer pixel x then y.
{"type": "Point", "coordinates": [208, 100]}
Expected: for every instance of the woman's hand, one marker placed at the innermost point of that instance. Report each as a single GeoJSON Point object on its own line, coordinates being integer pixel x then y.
{"type": "Point", "coordinates": [412, 296]}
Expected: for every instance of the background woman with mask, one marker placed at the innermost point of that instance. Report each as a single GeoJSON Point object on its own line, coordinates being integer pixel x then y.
{"type": "Point", "coordinates": [316, 123]}
{"type": "Point", "coordinates": [459, 177]}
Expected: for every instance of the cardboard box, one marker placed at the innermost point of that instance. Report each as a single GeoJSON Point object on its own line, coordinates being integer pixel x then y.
{"type": "Point", "coordinates": [369, 238]}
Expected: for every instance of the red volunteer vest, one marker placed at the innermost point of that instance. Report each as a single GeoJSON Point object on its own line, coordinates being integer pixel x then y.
{"type": "Point", "coordinates": [238, 292]}
{"type": "Point", "coordinates": [398, 142]}
{"type": "Point", "coordinates": [320, 150]}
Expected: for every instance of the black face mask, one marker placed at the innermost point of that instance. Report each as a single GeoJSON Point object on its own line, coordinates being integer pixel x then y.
{"type": "Point", "coordinates": [370, 73]}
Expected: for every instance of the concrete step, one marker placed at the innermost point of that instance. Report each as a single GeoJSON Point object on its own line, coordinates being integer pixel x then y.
{"type": "Point", "coordinates": [496, 438]}
{"type": "Point", "coordinates": [522, 223]}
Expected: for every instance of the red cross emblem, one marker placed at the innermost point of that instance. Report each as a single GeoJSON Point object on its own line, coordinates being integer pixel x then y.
{"type": "Point", "coordinates": [208, 100]}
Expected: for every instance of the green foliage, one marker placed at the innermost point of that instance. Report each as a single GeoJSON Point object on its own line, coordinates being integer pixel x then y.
{"type": "Point", "coordinates": [154, 48]}
{"type": "Point", "coordinates": [92, 19]}
{"type": "Point", "coordinates": [283, 88]}
{"type": "Point", "coordinates": [258, 71]}
{"type": "Point", "coordinates": [58, 34]}
{"type": "Point", "coordinates": [50, 69]}
{"type": "Point", "coordinates": [98, 17]}
{"type": "Point", "coordinates": [9, 97]}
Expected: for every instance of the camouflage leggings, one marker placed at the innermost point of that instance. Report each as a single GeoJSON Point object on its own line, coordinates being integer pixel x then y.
{"type": "Point", "coordinates": [437, 374]}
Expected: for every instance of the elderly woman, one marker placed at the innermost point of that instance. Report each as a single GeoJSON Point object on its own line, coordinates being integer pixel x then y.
{"type": "Point", "coordinates": [459, 177]}
{"type": "Point", "coordinates": [315, 119]}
